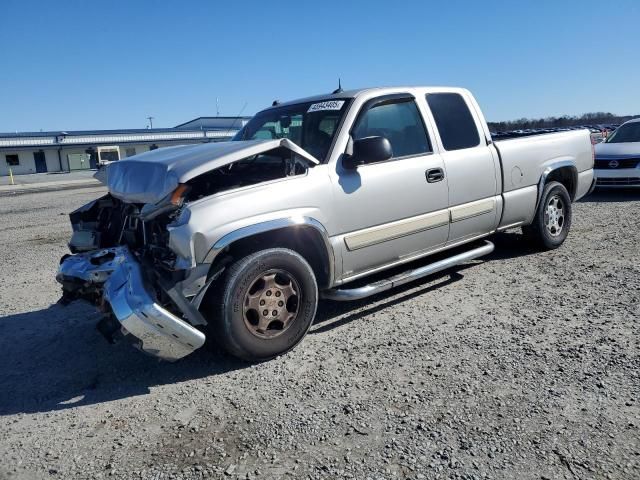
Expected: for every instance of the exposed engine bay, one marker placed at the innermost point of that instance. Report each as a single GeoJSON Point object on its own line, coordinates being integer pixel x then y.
{"type": "Point", "coordinates": [122, 258]}
{"type": "Point", "coordinates": [106, 231]}
{"type": "Point", "coordinates": [272, 165]}
{"type": "Point", "coordinates": [109, 221]}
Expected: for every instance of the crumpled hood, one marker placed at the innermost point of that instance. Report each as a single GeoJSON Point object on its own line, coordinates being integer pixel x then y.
{"type": "Point", "coordinates": [617, 150]}
{"type": "Point", "coordinates": [151, 176]}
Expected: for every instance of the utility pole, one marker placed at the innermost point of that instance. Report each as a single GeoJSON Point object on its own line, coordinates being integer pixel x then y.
{"type": "Point", "coordinates": [150, 121]}
{"type": "Point", "coordinates": [217, 107]}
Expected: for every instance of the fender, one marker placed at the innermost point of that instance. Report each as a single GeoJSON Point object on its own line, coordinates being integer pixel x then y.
{"type": "Point", "coordinates": [295, 222]}
{"type": "Point", "coordinates": [551, 167]}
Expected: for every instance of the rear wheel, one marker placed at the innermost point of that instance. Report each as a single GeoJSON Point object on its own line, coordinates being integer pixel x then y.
{"type": "Point", "coordinates": [264, 305]}
{"type": "Point", "coordinates": [552, 220]}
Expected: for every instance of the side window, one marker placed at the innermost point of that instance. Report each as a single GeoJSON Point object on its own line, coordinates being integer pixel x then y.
{"type": "Point", "coordinates": [397, 121]}
{"type": "Point", "coordinates": [454, 121]}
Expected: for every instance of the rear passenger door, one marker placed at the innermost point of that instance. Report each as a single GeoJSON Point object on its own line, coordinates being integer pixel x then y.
{"type": "Point", "coordinates": [388, 211]}
{"type": "Point", "coordinates": [471, 168]}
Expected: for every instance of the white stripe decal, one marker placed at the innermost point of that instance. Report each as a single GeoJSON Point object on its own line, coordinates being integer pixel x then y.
{"type": "Point", "coordinates": [472, 209]}
{"type": "Point", "coordinates": [409, 226]}
{"type": "Point", "coordinates": [390, 231]}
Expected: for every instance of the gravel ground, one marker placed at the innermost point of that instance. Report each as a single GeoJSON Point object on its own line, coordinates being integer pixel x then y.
{"type": "Point", "coordinates": [525, 365]}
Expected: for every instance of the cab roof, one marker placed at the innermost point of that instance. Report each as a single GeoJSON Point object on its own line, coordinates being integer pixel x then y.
{"type": "Point", "coordinates": [346, 94]}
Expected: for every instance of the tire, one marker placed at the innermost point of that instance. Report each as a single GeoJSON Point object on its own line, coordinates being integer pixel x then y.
{"type": "Point", "coordinates": [242, 312]}
{"type": "Point", "coordinates": [552, 220]}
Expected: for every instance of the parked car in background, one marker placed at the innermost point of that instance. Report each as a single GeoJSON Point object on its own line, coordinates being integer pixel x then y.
{"type": "Point", "coordinates": [617, 161]}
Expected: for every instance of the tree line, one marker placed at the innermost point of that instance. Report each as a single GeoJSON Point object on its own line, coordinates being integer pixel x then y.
{"type": "Point", "coordinates": [593, 118]}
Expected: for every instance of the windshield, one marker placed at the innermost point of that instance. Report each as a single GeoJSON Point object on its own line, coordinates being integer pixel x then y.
{"type": "Point", "coordinates": [629, 132]}
{"type": "Point", "coordinates": [311, 125]}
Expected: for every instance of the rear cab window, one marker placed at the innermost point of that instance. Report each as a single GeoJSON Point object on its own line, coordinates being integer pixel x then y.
{"type": "Point", "coordinates": [396, 119]}
{"type": "Point", "coordinates": [454, 121]}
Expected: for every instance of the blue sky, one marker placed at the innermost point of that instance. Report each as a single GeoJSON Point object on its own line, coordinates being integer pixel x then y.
{"type": "Point", "coordinates": [68, 65]}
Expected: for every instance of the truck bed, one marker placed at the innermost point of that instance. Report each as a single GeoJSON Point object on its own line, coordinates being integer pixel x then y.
{"type": "Point", "coordinates": [524, 162]}
{"type": "Point", "coordinates": [524, 159]}
{"type": "Point", "coordinates": [509, 135]}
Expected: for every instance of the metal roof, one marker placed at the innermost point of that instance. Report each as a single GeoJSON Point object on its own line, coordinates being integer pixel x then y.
{"type": "Point", "coordinates": [89, 137]}
{"type": "Point", "coordinates": [211, 118]}
{"type": "Point", "coordinates": [123, 131]}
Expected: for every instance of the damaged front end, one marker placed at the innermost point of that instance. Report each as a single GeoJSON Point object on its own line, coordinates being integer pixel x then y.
{"type": "Point", "coordinates": [114, 279]}
{"type": "Point", "coordinates": [123, 266]}
{"type": "Point", "coordinates": [125, 261]}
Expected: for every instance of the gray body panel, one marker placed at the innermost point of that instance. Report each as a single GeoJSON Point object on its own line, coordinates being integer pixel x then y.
{"type": "Point", "coordinates": [373, 201]}
{"type": "Point", "coordinates": [524, 159]}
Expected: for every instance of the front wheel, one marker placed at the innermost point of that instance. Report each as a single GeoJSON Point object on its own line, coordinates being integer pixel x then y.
{"type": "Point", "coordinates": [265, 304]}
{"type": "Point", "coordinates": [552, 220]}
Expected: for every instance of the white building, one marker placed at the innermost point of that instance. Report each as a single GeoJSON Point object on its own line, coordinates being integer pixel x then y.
{"type": "Point", "coordinates": [39, 152]}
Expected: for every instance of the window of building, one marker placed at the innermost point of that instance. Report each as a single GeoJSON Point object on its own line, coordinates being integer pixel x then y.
{"type": "Point", "coordinates": [12, 160]}
{"type": "Point", "coordinates": [79, 161]}
{"type": "Point", "coordinates": [130, 151]}
{"type": "Point", "coordinates": [454, 121]}
{"type": "Point", "coordinates": [399, 121]}
{"type": "Point", "coordinates": [108, 154]}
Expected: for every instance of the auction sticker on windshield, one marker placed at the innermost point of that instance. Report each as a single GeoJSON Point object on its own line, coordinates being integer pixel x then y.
{"type": "Point", "coordinates": [330, 105]}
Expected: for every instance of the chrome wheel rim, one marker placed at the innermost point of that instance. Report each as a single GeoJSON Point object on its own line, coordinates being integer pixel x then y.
{"type": "Point", "coordinates": [554, 215]}
{"type": "Point", "coordinates": [271, 303]}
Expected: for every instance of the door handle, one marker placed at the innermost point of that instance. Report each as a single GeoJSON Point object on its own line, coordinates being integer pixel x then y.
{"type": "Point", "coordinates": [434, 175]}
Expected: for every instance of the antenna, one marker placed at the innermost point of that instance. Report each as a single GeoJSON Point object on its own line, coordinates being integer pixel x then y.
{"type": "Point", "coordinates": [236, 119]}
{"type": "Point", "coordinates": [339, 89]}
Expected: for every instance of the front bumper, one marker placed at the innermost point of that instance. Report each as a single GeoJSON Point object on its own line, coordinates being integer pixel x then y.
{"type": "Point", "coordinates": [620, 177]}
{"type": "Point", "coordinates": [115, 277]}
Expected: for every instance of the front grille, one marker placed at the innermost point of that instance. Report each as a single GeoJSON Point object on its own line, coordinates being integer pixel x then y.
{"type": "Point", "coordinates": [622, 163]}
{"type": "Point", "coordinates": [622, 181]}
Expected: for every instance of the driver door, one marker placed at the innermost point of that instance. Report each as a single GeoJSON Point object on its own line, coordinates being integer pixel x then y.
{"type": "Point", "coordinates": [392, 210]}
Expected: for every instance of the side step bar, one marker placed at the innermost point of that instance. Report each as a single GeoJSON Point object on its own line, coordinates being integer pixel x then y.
{"type": "Point", "coordinates": [346, 294]}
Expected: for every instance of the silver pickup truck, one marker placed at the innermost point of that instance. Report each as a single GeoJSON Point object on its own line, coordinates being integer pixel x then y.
{"type": "Point", "coordinates": [235, 242]}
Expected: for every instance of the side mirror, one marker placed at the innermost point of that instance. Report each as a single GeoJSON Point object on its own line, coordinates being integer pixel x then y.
{"type": "Point", "coordinates": [368, 150]}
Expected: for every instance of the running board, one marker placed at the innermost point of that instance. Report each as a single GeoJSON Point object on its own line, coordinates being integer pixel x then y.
{"type": "Point", "coordinates": [346, 294]}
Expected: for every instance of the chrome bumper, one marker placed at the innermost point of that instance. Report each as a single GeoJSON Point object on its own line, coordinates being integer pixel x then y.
{"type": "Point", "coordinates": [118, 275]}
